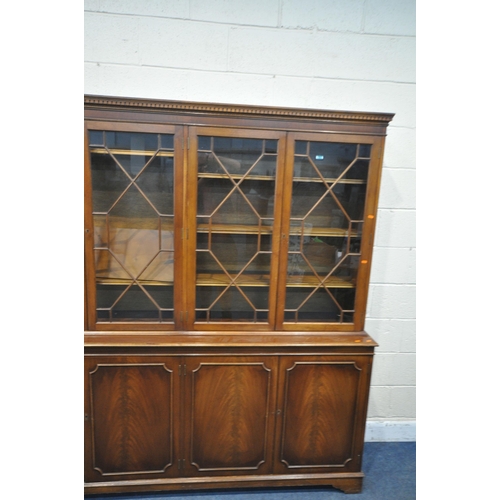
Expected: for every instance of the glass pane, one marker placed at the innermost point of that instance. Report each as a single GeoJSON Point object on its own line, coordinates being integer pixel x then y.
{"type": "Point", "coordinates": [132, 195]}
{"type": "Point", "coordinates": [234, 253]}
{"type": "Point", "coordinates": [235, 209]}
{"type": "Point", "coordinates": [96, 138]}
{"type": "Point", "coordinates": [237, 155]}
{"type": "Point", "coordinates": [350, 199]}
{"type": "Point", "coordinates": [132, 205]}
{"type": "Point", "coordinates": [332, 159]}
{"type": "Point", "coordinates": [364, 150]}
{"type": "Point", "coordinates": [135, 304]}
{"type": "Point", "coordinates": [125, 303]}
{"type": "Point", "coordinates": [157, 184]}
{"type": "Point", "coordinates": [135, 142]}
{"type": "Point", "coordinates": [357, 171]}
{"type": "Point", "coordinates": [236, 189]}
{"type": "Point", "coordinates": [231, 303]}
{"type": "Point", "coordinates": [328, 201]}
{"type": "Point", "coordinates": [303, 168]}
{"type": "Point", "coordinates": [109, 269]}
{"type": "Point", "coordinates": [321, 305]}
{"type": "Point", "coordinates": [167, 141]}
{"type": "Point", "coordinates": [109, 181]}
{"type": "Point", "coordinates": [320, 253]}
{"type": "Point", "coordinates": [106, 296]}
{"type": "Point", "coordinates": [301, 148]}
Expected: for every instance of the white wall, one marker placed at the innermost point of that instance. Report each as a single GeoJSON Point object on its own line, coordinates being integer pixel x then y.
{"type": "Point", "coordinates": [356, 55]}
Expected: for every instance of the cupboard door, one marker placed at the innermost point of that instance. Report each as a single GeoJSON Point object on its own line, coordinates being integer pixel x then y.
{"type": "Point", "coordinates": [229, 415]}
{"type": "Point", "coordinates": [322, 406]}
{"type": "Point", "coordinates": [329, 203]}
{"type": "Point", "coordinates": [130, 418]}
{"type": "Point", "coordinates": [235, 178]}
{"type": "Point", "coordinates": [134, 182]}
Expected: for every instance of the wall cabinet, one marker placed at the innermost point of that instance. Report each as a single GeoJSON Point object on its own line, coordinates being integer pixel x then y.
{"type": "Point", "coordinates": [227, 260]}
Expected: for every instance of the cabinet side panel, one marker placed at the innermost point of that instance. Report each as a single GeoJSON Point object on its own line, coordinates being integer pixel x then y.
{"type": "Point", "coordinates": [370, 217]}
{"type": "Point", "coordinates": [131, 419]}
{"type": "Point", "coordinates": [319, 414]}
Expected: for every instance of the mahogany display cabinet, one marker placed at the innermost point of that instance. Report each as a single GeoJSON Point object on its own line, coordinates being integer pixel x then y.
{"type": "Point", "coordinates": [227, 262]}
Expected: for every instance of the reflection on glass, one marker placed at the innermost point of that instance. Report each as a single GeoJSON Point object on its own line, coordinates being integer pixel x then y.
{"type": "Point", "coordinates": [236, 189]}
{"type": "Point", "coordinates": [132, 195]}
{"type": "Point", "coordinates": [328, 200]}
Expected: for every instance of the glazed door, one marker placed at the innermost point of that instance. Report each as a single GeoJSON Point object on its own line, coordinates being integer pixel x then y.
{"type": "Point", "coordinates": [133, 218]}
{"type": "Point", "coordinates": [229, 415]}
{"type": "Point", "coordinates": [322, 404]}
{"type": "Point", "coordinates": [233, 230]}
{"type": "Point", "coordinates": [131, 418]}
{"type": "Point", "coordinates": [329, 210]}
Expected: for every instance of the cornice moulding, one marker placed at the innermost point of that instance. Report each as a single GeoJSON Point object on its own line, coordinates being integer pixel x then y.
{"type": "Point", "coordinates": [232, 109]}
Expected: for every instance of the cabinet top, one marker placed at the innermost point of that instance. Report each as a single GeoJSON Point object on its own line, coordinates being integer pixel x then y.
{"type": "Point", "coordinates": [220, 109]}
{"type": "Point", "coordinates": [225, 340]}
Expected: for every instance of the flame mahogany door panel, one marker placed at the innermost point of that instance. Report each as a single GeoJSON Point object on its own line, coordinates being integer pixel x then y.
{"type": "Point", "coordinates": [322, 406]}
{"type": "Point", "coordinates": [130, 417]}
{"type": "Point", "coordinates": [229, 419]}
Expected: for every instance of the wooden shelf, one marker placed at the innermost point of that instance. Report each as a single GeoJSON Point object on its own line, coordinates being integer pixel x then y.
{"type": "Point", "coordinates": [129, 152]}
{"type": "Point", "coordinates": [220, 279]}
{"type": "Point", "coordinates": [308, 281]}
{"type": "Point", "coordinates": [214, 175]}
{"type": "Point", "coordinates": [333, 232]}
{"type": "Point", "coordinates": [154, 223]}
{"type": "Point", "coordinates": [234, 229]}
{"type": "Point", "coordinates": [330, 180]}
{"type": "Point", "coordinates": [262, 280]}
{"type": "Point", "coordinates": [127, 281]}
{"type": "Point", "coordinates": [135, 222]}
